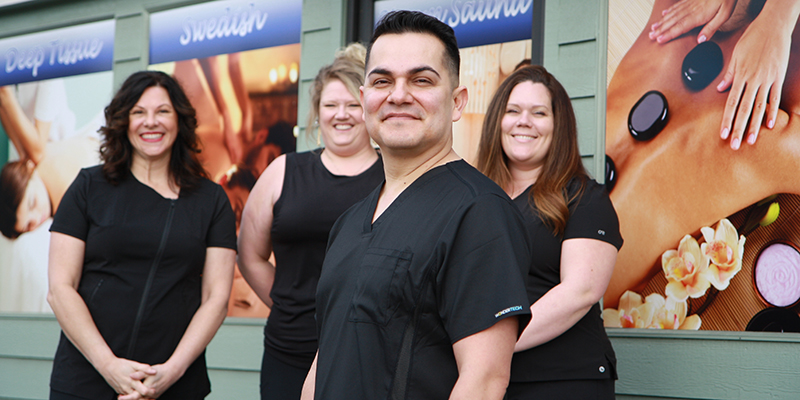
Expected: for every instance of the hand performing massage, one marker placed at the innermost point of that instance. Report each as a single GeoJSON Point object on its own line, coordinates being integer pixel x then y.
{"type": "Point", "coordinates": [712, 148]}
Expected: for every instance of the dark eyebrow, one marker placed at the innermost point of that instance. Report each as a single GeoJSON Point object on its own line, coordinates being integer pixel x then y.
{"type": "Point", "coordinates": [417, 70]}
{"type": "Point", "coordinates": [379, 71]}
{"type": "Point", "coordinates": [413, 71]}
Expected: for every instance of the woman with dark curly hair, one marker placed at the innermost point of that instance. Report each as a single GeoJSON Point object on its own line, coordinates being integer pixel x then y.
{"type": "Point", "coordinates": [141, 255]}
{"type": "Point", "coordinates": [529, 146]}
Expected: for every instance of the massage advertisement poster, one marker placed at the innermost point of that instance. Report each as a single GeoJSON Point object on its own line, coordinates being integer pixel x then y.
{"type": "Point", "coordinates": [54, 86]}
{"type": "Point", "coordinates": [494, 37]}
{"type": "Point", "coordinates": [702, 161]}
{"type": "Point", "coordinates": [238, 62]}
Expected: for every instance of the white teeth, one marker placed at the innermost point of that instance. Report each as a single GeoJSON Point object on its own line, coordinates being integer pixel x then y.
{"type": "Point", "coordinates": [148, 136]}
{"type": "Point", "coordinates": [342, 126]}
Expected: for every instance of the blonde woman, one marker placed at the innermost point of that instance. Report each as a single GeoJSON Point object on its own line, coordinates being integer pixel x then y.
{"type": "Point", "coordinates": [291, 210]}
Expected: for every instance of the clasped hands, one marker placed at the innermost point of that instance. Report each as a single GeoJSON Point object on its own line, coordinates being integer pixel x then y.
{"type": "Point", "coordinates": [138, 381]}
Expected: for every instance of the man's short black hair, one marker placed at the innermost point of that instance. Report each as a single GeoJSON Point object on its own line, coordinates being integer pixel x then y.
{"type": "Point", "coordinates": [403, 21]}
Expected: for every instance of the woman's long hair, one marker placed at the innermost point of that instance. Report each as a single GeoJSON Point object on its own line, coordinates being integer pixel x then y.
{"type": "Point", "coordinates": [14, 179]}
{"type": "Point", "coordinates": [116, 150]}
{"type": "Point", "coordinates": [562, 162]}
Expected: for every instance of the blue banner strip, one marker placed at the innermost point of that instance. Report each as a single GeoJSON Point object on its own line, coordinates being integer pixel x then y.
{"type": "Point", "coordinates": [475, 22]}
{"type": "Point", "coordinates": [76, 50]}
{"type": "Point", "coordinates": [223, 27]}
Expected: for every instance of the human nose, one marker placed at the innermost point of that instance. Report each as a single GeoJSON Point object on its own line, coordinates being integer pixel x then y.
{"type": "Point", "coordinates": [399, 93]}
{"type": "Point", "coordinates": [150, 119]}
{"type": "Point", "coordinates": [341, 112]}
{"type": "Point", "coordinates": [29, 223]}
{"type": "Point", "coordinates": [524, 119]}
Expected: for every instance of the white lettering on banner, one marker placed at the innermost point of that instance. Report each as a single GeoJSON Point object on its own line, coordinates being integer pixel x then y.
{"type": "Point", "coordinates": [22, 60]}
{"type": "Point", "coordinates": [71, 52]}
{"type": "Point", "coordinates": [224, 26]}
{"type": "Point", "coordinates": [65, 53]}
{"type": "Point", "coordinates": [463, 12]}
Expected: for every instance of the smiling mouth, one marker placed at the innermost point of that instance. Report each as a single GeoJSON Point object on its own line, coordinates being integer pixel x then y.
{"type": "Point", "coordinates": [151, 137]}
{"type": "Point", "coordinates": [523, 136]}
{"type": "Point", "coordinates": [343, 127]}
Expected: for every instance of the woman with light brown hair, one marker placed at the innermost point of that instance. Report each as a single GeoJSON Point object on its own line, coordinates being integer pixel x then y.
{"type": "Point", "coordinates": [529, 146]}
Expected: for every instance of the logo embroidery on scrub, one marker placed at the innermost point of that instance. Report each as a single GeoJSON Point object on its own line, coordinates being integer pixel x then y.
{"type": "Point", "coordinates": [508, 310]}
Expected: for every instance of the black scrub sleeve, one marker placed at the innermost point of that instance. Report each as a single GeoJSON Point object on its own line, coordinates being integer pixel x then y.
{"type": "Point", "coordinates": [72, 218]}
{"type": "Point", "coordinates": [222, 231]}
{"type": "Point", "coordinates": [594, 217]}
{"type": "Point", "coordinates": [482, 280]}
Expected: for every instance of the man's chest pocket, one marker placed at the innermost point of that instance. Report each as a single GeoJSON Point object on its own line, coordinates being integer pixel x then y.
{"type": "Point", "coordinates": [380, 286]}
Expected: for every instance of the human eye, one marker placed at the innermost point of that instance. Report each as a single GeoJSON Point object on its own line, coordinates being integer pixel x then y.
{"type": "Point", "coordinates": [511, 111]}
{"type": "Point", "coordinates": [423, 80]}
{"type": "Point", "coordinates": [380, 82]}
{"type": "Point", "coordinates": [136, 111]}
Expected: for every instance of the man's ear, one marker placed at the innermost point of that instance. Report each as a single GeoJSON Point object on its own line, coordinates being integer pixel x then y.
{"type": "Point", "coordinates": [361, 99]}
{"type": "Point", "coordinates": [460, 98]}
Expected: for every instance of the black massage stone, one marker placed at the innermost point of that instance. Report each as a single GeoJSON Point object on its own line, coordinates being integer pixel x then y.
{"type": "Point", "coordinates": [777, 319]}
{"type": "Point", "coordinates": [648, 116]}
{"type": "Point", "coordinates": [702, 65]}
{"type": "Point", "coordinates": [611, 174]}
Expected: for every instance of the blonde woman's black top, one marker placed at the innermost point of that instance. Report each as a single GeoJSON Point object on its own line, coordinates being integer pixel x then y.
{"type": "Point", "coordinates": [311, 200]}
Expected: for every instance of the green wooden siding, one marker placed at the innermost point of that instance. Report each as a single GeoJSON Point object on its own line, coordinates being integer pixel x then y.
{"type": "Point", "coordinates": [653, 365]}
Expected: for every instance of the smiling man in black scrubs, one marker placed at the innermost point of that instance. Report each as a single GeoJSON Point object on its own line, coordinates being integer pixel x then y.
{"type": "Point", "coordinates": [421, 294]}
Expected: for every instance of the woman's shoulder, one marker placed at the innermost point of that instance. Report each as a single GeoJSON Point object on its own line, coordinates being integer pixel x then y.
{"type": "Point", "coordinates": [91, 182]}
{"type": "Point", "coordinates": [586, 186]}
{"type": "Point", "coordinates": [592, 201]}
{"type": "Point", "coordinates": [91, 174]}
{"type": "Point", "coordinates": [304, 156]}
{"type": "Point", "coordinates": [93, 171]}
{"type": "Point", "coordinates": [585, 192]}
{"type": "Point", "coordinates": [206, 185]}
{"type": "Point", "coordinates": [206, 192]}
